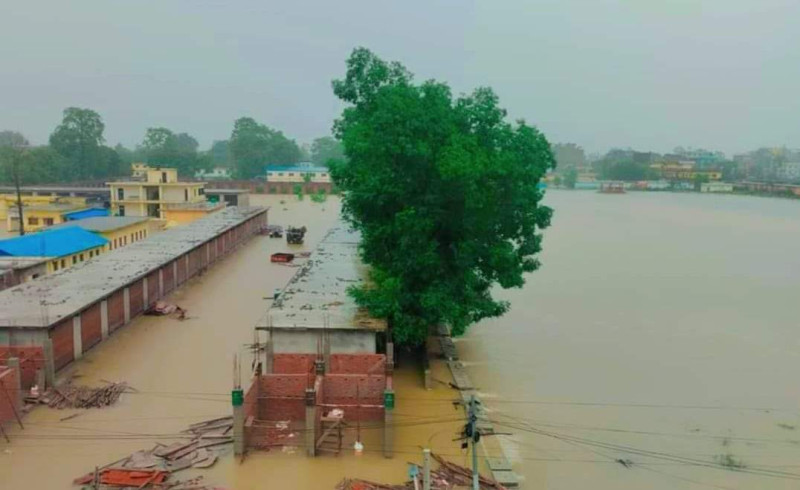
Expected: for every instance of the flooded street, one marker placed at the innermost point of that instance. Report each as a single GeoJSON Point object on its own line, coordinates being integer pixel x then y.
{"type": "Point", "coordinates": [658, 322]}
{"type": "Point", "coordinates": [664, 323]}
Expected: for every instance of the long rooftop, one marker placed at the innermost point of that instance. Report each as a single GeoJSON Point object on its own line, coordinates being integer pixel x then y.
{"type": "Point", "coordinates": [316, 297]}
{"type": "Point", "coordinates": [43, 302]}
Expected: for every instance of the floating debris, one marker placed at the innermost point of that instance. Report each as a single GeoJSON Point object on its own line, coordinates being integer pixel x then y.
{"type": "Point", "coordinates": [152, 468]}
{"type": "Point", "coordinates": [446, 477]}
{"type": "Point", "coordinates": [71, 396]}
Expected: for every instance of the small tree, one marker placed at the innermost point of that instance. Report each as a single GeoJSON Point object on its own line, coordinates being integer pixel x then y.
{"type": "Point", "coordinates": [298, 191]}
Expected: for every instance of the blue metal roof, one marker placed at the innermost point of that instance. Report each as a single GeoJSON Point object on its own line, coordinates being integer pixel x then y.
{"type": "Point", "coordinates": [51, 243]}
{"type": "Point", "coordinates": [297, 167]}
{"type": "Point", "coordinates": [85, 213]}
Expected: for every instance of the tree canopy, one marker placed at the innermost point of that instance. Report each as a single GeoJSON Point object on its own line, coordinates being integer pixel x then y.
{"type": "Point", "coordinates": [569, 155]}
{"type": "Point", "coordinates": [325, 149]}
{"type": "Point", "coordinates": [444, 192]}
{"type": "Point", "coordinates": [162, 147]}
{"type": "Point", "coordinates": [79, 139]}
{"type": "Point", "coordinates": [253, 146]}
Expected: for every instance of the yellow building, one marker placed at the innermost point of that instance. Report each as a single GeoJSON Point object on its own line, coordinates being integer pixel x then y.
{"type": "Point", "coordinates": [139, 170]}
{"type": "Point", "coordinates": [180, 214]}
{"type": "Point", "coordinates": [154, 194]}
{"type": "Point", "coordinates": [118, 230]}
{"type": "Point", "coordinates": [684, 171]}
{"type": "Point", "coordinates": [63, 247]}
{"type": "Point", "coordinates": [38, 216]}
{"type": "Point", "coordinates": [8, 205]}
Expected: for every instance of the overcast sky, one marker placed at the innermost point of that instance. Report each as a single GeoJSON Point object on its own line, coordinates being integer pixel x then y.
{"type": "Point", "coordinates": [721, 74]}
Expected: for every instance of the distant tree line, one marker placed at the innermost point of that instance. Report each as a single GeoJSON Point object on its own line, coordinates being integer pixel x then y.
{"type": "Point", "coordinates": [77, 151]}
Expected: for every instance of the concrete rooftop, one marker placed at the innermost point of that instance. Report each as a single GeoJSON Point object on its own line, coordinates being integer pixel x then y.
{"type": "Point", "coordinates": [43, 302]}
{"type": "Point", "coordinates": [316, 297]}
{"type": "Point", "coordinates": [102, 223]}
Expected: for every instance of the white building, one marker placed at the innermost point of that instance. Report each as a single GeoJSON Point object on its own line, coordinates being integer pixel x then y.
{"type": "Point", "coordinates": [716, 187]}
{"type": "Point", "coordinates": [217, 173]}
{"type": "Point", "coordinates": [298, 173]}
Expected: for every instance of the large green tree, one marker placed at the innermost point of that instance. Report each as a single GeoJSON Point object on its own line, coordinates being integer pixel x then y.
{"type": "Point", "coordinates": [79, 139]}
{"type": "Point", "coordinates": [325, 149]}
{"type": "Point", "coordinates": [164, 148]}
{"type": "Point", "coordinates": [444, 192]}
{"type": "Point", "coordinates": [253, 146]}
{"type": "Point", "coordinates": [569, 155]}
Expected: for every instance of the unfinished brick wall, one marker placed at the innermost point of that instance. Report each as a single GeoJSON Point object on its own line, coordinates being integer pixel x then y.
{"type": "Point", "coordinates": [349, 390]}
{"type": "Point", "coordinates": [63, 347]}
{"type": "Point", "coordinates": [293, 363]}
{"type": "Point", "coordinates": [136, 295]}
{"type": "Point", "coordinates": [116, 310]}
{"type": "Point", "coordinates": [31, 358]}
{"type": "Point", "coordinates": [8, 383]}
{"type": "Point", "coordinates": [90, 326]}
{"type": "Point", "coordinates": [357, 364]}
{"type": "Point", "coordinates": [283, 396]}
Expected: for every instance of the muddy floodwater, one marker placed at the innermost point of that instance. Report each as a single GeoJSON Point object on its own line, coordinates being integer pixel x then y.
{"type": "Point", "coordinates": [660, 323]}
{"type": "Point", "coordinates": [662, 335]}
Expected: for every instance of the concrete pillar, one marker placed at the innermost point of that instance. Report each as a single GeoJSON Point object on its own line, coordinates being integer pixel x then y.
{"type": "Point", "coordinates": [16, 392]}
{"type": "Point", "coordinates": [389, 358]}
{"type": "Point", "coordinates": [49, 364]}
{"type": "Point", "coordinates": [145, 293]}
{"type": "Point", "coordinates": [104, 318]}
{"type": "Point", "coordinates": [160, 283]}
{"type": "Point", "coordinates": [270, 357]}
{"type": "Point", "coordinates": [426, 469]}
{"type": "Point", "coordinates": [326, 348]}
{"type": "Point", "coordinates": [237, 399]}
{"type": "Point", "coordinates": [126, 303]}
{"type": "Point", "coordinates": [77, 341]}
{"type": "Point", "coordinates": [388, 423]}
{"type": "Point", "coordinates": [311, 422]}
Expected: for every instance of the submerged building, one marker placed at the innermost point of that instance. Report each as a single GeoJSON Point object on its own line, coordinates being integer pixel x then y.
{"type": "Point", "coordinates": [68, 312]}
{"type": "Point", "coordinates": [326, 364]}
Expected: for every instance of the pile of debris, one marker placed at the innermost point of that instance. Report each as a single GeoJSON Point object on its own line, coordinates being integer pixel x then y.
{"type": "Point", "coordinates": [152, 468]}
{"type": "Point", "coordinates": [72, 396]}
{"type": "Point", "coordinates": [162, 308]}
{"type": "Point", "coordinates": [447, 477]}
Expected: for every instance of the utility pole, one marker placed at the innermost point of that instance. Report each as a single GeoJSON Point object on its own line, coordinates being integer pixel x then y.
{"type": "Point", "coordinates": [474, 436]}
{"type": "Point", "coordinates": [15, 170]}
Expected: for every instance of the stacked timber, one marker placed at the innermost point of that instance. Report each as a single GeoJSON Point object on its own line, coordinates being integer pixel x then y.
{"type": "Point", "coordinates": [71, 396]}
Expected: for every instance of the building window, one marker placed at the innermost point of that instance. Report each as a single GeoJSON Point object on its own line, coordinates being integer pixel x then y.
{"type": "Point", "coordinates": [48, 221]}
{"type": "Point", "coordinates": [201, 191]}
{"type": "Point", "coordinates": [163, 177]}
{"type": "Point", "coordinates": [55, 265]}
{"type": "Point", "coordinates": [81, 256]}
{"type": "Point", "coordinates": [74, 259]}
{"type": "Point", "coordinates": [33, 221]}
{"type": "Point", "coordinates": [186, 193]}
{"type": "Point", "coordinates": [91, 254]}
{"type": "Point", "coordinates": [323, 175]}
{"type": "Point", "coordinates": [280, 174]}
{"type": "Point", "coordinates": [63, 263]}
{"type": "Point", "coordinates": [120, 194]}
{"type": "Point", "coordinates": [122, 210]}
{"type": "Point", "coordinates": [291, 174]}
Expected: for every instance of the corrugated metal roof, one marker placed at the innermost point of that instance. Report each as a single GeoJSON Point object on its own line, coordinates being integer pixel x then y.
{"type": "Point", "coordinates": [86, 213]}
{"type": "Point", "coordinates": [47, 300]}
{"type": "Point", "coordinates": [103, 223]}
{"type": "Point", "coordinates": [51, 243]}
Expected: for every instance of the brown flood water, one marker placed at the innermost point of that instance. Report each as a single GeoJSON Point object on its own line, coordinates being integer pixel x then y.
{"type": "Point", "coordinates": [659, 322]}
{"type": "Point", "coordinates": [183, 372]}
